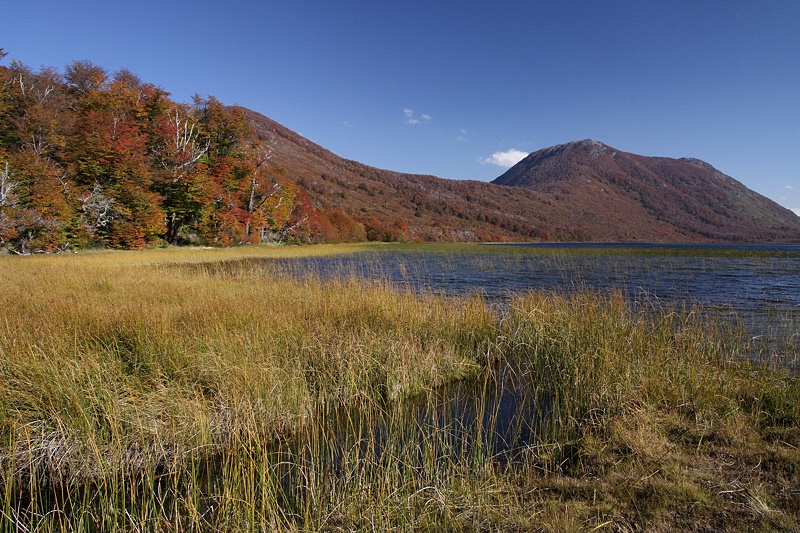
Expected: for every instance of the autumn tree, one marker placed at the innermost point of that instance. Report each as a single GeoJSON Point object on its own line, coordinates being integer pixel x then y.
{"type": "Point", "coordinates": [266, 197]}
{"type": "Point", "coordinates": [224, 127]}
{"type": "Point", "coordinates": [36, 121]}
{"type": "Point", "coordinates": [378, 230]}
{"type": "Point", "coordinates": [301, 224]}
{"type": "Point", "coordinates": [84, 77]}
{"type": "Point", "coordinates": [8, 201]}
{"type": "Point", "coordinates": [339, 226]}
{"type": "Point", "coordinates": [179, 151]}
{"type": "Point", "coordinates": [7, 127]}
{"type": "Point", "coordinates": [110, 162]}
{"type": "Point", "coordinates": [226, 130]}
{"type": "Point", "coordinates": [260, 197]}
{"type": "Point", "coordinates": [42, 202]}
{"type": "Point", "coordinates": [33, 109]}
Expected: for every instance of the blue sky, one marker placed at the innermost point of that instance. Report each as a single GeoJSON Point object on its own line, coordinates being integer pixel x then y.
{"type": "Point", "coordinates": [458, 88]}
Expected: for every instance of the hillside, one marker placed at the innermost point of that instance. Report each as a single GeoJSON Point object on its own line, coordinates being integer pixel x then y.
{"type": "Point", "coordinates": [90, 159]}
{"type": "Point", "coordinates": [583, 190]}
{"type": "Point", "coordinates": [392, 205]}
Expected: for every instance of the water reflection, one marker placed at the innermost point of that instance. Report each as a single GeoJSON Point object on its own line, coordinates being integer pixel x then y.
{"type": "Point", "coordinates": [494, 419]}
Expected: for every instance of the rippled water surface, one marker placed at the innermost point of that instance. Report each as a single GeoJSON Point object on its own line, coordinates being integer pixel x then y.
{"type": "Point", "coordinates": [759, 285]}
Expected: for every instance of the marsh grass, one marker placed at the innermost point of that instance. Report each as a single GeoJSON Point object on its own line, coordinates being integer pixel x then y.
{"type": "Point", "coordinates": [201, 390]}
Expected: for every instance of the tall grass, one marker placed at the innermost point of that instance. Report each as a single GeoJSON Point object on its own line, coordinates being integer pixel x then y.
{"type": "Point", "coordinates": [123, 382]}
{"type": "Point", "coordinates": [160, 392]}
{"type": "Point", "coordinates": [634, 395]}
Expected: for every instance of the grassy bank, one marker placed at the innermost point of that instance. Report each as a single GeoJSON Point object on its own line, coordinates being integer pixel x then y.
{"type": "Point", "coordinates": [150, 391]}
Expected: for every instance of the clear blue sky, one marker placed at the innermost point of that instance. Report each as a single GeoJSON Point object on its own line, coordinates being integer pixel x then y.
{"type": "Point", "coordinates": [443, 87]}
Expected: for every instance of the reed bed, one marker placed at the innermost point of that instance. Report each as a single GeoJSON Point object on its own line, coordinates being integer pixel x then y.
{"type": "Point", "coordinates": [199, 390]}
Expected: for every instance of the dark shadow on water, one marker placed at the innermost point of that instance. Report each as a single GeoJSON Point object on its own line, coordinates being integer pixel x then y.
{"type": "Point", "coordinates": [485, 422]}
{"type": "Point", "coordinates": [488, 421]}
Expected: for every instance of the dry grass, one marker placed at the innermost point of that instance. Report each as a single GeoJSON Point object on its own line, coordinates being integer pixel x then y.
{"type": "Point", "coordinates": [153, 392]}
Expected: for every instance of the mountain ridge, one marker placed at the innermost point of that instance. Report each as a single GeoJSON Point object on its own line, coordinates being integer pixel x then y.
{"type": "Point", "coordinates": [90, 159]}
{"type": "Point", "coordinates": [688, 193]}
{"type": "Point", "coordinates": [540, 198]}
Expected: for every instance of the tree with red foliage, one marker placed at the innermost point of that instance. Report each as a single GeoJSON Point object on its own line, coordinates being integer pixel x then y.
{"type": "Point", "coordinates": [110, 164]}
{"type": "Point", "coordinates": [271, 205]}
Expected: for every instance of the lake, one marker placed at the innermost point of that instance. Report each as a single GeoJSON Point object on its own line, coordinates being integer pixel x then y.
{"type": "Point", "coordinates": [756, 285]}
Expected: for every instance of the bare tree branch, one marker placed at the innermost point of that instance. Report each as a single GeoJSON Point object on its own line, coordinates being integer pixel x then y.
{"type": "Point", "coordinates": [185, 149]}
{"type": "Point", "coordinates": [99, 207]}
{"type": "Point", "coordinates": [6, 187]}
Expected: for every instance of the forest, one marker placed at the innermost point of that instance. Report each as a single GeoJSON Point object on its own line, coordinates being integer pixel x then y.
{"type": "Point", "coordinates": [93, 159]}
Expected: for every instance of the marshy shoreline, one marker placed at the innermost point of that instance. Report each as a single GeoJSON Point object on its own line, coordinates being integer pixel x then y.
{"type": "Point", "coordinates": [196, 390]}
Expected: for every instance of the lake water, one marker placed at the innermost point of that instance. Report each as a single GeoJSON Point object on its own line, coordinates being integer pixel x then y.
{"type": "Point", "coordinates": [757, 285]}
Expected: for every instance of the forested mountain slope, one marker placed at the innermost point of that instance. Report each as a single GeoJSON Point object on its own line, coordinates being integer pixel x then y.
{"type": "Point", "coordinates": [605, 187]}
{"type": "Point", "coordinates": [90, 158]}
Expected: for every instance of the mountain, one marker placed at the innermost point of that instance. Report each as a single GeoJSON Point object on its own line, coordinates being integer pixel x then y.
{"type": "Point", "coordinates": [355, 201]}
{"type": "Point", "coordinates": [91, 160]}
{"type": "Point", "coordinates": [580, 191]}
{"type": "Point", "coordinates": [629, 196]}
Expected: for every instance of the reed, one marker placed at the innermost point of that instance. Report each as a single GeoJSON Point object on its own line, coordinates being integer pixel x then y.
{"type": "Point", "coordinates": [207, 390]}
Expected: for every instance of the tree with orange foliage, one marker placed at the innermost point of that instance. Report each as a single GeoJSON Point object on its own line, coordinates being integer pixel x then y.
{"type": "Point", "coordinates": [110, 164]}
{"type": "Point", "coordinates": [84, 77]}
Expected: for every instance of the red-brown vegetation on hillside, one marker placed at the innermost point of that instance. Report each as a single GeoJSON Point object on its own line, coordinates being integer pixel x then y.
{"type": "Point", "coordinates": [92, 159]}
{"type": "Point", "coordinates": [581, 191]}
{"type": "Point", "coordinates": [624, 196]}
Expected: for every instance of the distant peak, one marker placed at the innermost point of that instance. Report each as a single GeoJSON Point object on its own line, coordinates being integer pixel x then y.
{"type": "Point", "coordinates": [585, 143]}
{"type": "Point", "coordinates": [578, 144]}
{"type": "Point", "coordinates": [596, 148]}
{"type": "Point", "coordinates": [695, 161]}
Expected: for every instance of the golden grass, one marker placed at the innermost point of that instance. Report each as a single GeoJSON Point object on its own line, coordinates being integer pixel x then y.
{"type": "Point", "coordinates": [149, 391]}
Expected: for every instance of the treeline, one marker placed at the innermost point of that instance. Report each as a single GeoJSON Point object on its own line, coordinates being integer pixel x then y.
{"type": "Point", "coordinates": [96, 159]}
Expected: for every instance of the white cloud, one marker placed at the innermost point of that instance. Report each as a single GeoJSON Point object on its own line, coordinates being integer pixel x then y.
{"type": "Point", "coordinates": [791, 188]}
{"type": "Point", "coordinates": [464, 135]}
{"type": "Point", "coordinates": [796, 211]}
{"type": "Point", "coordinates": [411, 119]}
{"type": "Point", "coordinates": [506, 159]}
